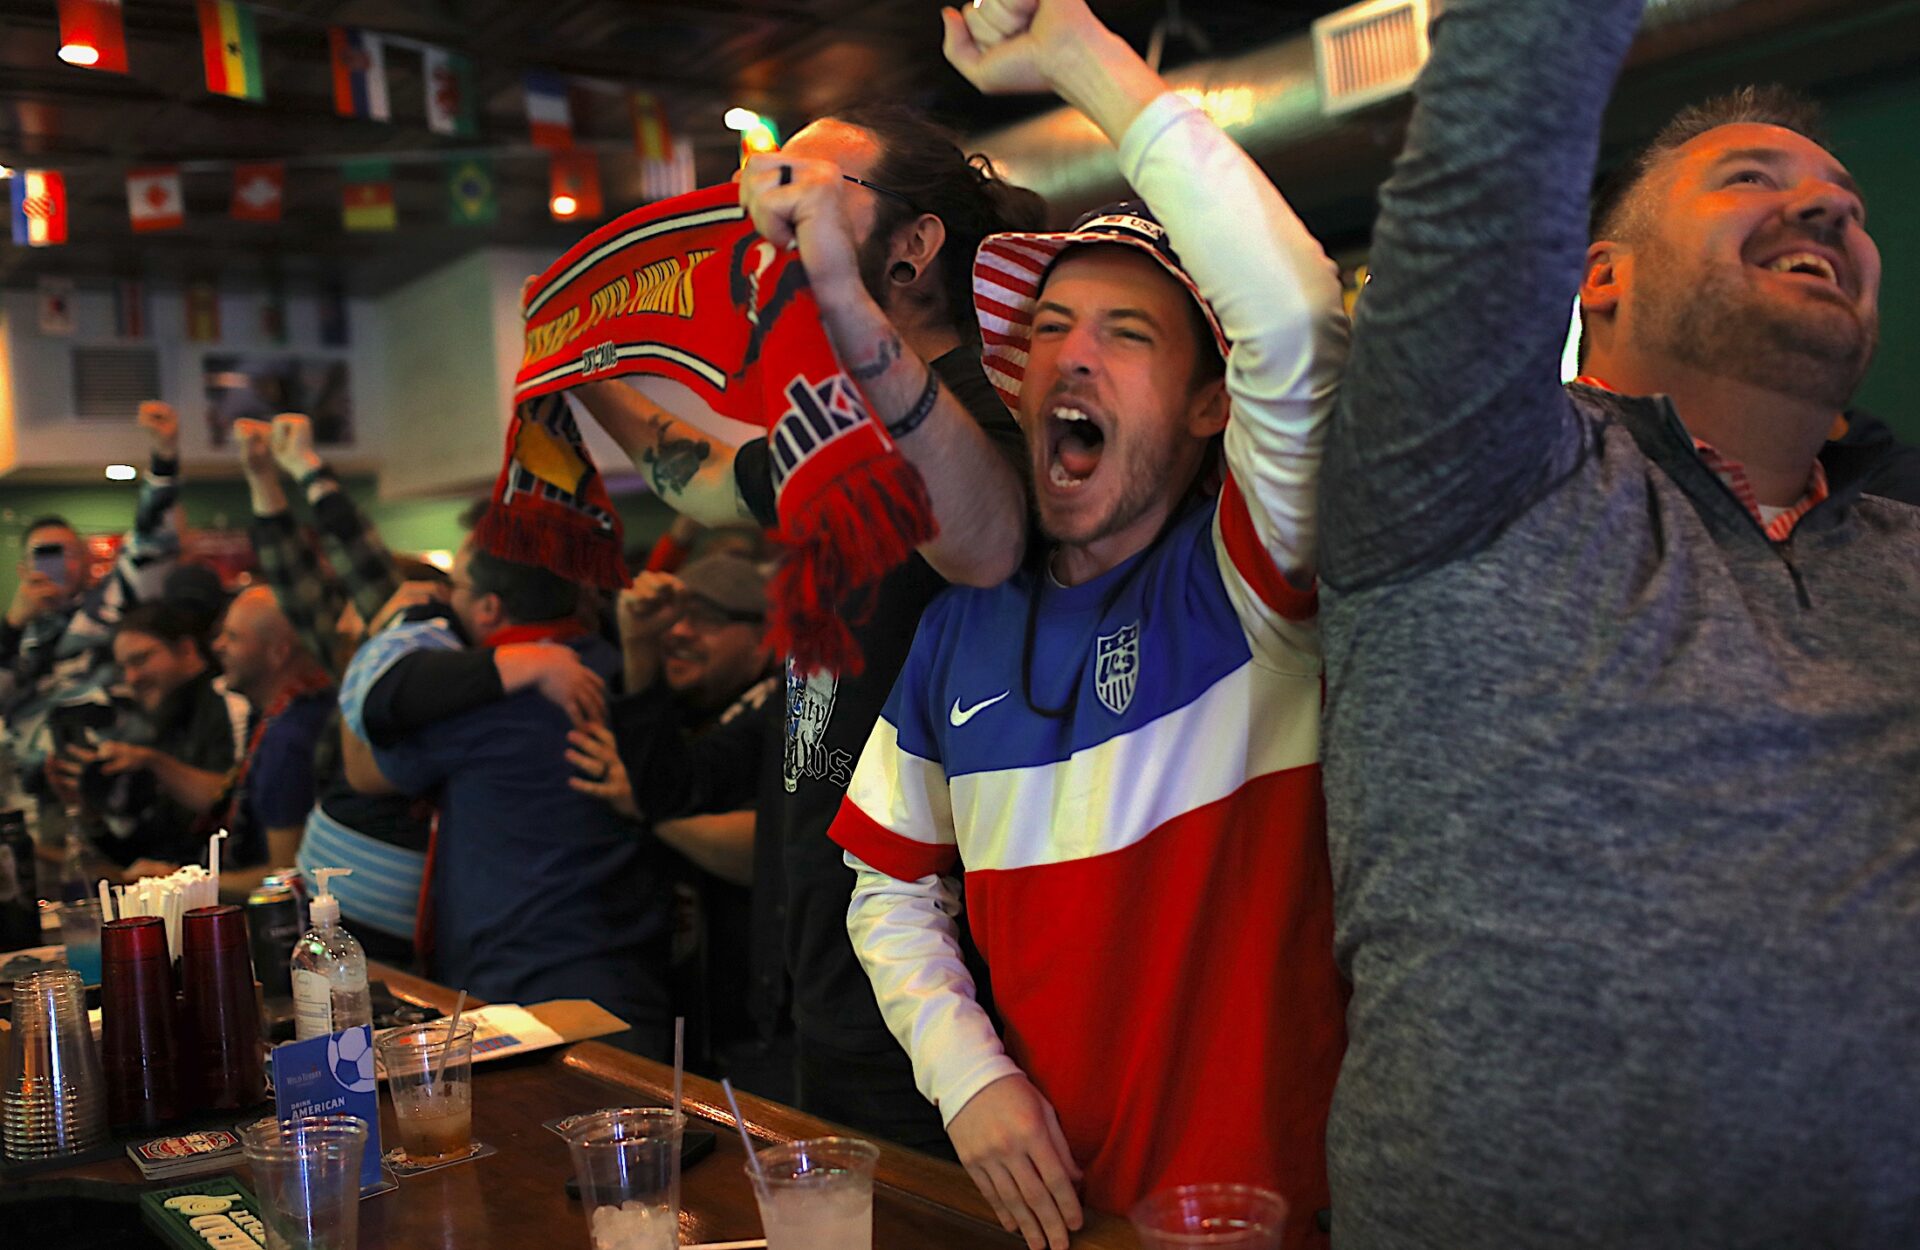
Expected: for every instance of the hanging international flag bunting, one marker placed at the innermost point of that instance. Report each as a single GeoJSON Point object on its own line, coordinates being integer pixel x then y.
{"type": "Point", "coordinates": [154, 201]}
{"type": "Point", "coordinates": [366, 201]}
{"type": "Point", "coordinates": [573, 186]}
{"type": "Point", "coordinates": [359, 73]}
{"type": "Point", "coordinates": [230, 48]}
{"type": "Point", "coordinates": [257, 191]}
{"type": "Point", "coordinates": [39, 208]}
{"type": "Point", "coordinates": [449, 85]}
{"type": "Point", "coordinates": [651, 137]}
{"type": "Point", "coordinates": [203, 312]}
{"type": "Point", "coordinates": [470, 195]}
{"type": "Point", "coordinates": [93, 35]}
{"type": "Point", "coordinates": [549, 111]}
{"type": "Point", "coordinates": [662, 180]}
{"type": "Point", "coordinates": [130, 308]}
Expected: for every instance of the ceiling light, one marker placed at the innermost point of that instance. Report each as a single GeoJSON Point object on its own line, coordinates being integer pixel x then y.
{"type": "Point", "coordinates": [741, 119]}
{"type": "Point", "coordinates": [564, 205]}
{"type": "Point", "coordinates": [6, 171]}
{"type": "Point", "coordinates": [121, 473]}
{"type": "Point", "coordinates": [79, 54]}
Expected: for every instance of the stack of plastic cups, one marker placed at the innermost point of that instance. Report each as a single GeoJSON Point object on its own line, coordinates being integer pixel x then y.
{"type": "Point", "coordinates": [219, 1016]}
{"type": "Point", "coordinates": [136, 1023]}
{"type": "Point", "coordinates": [53, 1101]}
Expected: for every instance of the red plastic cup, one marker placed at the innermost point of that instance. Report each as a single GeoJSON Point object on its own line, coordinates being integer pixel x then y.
{"type": "Point", "coordinates": [138, 1051]}
{"type": "Point", "coordinates": [219, 1015]}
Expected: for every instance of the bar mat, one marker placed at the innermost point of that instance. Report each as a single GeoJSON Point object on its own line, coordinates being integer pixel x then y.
{"type": "Point", "coordinates": [397, 1162]}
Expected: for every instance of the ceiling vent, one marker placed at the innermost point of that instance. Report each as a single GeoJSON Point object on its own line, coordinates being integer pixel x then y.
{"type": "Point", "coordinates": [1369, 52]}
{"type": "Point", "coordinates": [110, 382]}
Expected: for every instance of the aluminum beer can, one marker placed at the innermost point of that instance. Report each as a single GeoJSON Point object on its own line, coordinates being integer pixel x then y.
{"type": "Point", "coordinates": [274, 923]}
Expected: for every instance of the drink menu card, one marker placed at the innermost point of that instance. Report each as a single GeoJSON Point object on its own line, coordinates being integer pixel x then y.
{"type": "Point", "coordinates": [333, 1075]}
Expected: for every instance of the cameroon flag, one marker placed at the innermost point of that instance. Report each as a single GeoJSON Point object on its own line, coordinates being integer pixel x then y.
{"type": "Point", "coordinates": [230, 46]}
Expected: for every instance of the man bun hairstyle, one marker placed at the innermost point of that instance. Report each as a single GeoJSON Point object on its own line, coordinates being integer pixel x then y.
{"type": "Point", "coordinates": [927, 164]}
{"type": "Point", "coordinates": [1767, 104]}
{"type": "Point", "coordinates": [528, 593]}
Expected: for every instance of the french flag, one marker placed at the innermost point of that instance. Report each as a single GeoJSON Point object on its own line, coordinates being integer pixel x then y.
{"type": "Point", "coordinates": [549, 113]}
{"type": "Point", "coordinates": [39, 208]}
{"type": "Point", "coordinates": [359, 73]}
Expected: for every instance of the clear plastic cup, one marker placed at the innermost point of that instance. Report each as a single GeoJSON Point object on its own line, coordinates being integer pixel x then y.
{"type": "Point", "coordinates": [628, 1163]}
{"type": "Point", "coordinates": [1211, 1217]}
{"type": "Point", "coordinates": [307, 1175]}
{"type": "Point", "coordinates": [80, 932]}
{"type": "Point", "coordinates": [818, 1194]}
{"type": "Point", "coordinates": [53, 1100]}
{"type": "Point", "coordinates": [432, 1088]}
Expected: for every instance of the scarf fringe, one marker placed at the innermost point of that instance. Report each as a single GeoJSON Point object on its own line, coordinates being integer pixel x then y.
{"type": "Point", "coordinates": [838, 542]}
{"type": "Point", "coordinates": [537, 540]}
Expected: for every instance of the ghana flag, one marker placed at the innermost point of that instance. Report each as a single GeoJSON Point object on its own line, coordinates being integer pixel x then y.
{"type": "Point", "coordinates": [230, 46]}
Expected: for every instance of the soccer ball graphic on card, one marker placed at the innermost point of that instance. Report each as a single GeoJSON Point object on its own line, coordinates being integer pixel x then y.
{"type": "Point", "coordinates": [350, 1059]}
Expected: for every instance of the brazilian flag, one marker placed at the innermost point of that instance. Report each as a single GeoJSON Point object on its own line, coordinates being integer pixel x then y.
{"type": "Point", "coordinates": [470, 196]}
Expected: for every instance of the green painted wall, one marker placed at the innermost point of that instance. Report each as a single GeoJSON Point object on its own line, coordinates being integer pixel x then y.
{"type": "Point", "coordinates": [1874, 131]}
{"type": "Point", "coordinates": [407, 525]}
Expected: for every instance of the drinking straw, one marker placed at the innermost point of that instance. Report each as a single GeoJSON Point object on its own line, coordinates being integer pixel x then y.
{"type": "Point", "coordinates": [213, 863]}
{"type": "Point", "coordinates": [105, 899]}
{"type": "Point", "coordinates": [753, 1159]}
{"type": "Point", "coordinates": [679, 1061]}
{"type": "Point", "coordinates": [446, 1048]}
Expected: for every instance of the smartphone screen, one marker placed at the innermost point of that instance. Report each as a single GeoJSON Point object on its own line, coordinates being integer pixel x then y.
{"type": "Point", "coordinates": [50, 559]}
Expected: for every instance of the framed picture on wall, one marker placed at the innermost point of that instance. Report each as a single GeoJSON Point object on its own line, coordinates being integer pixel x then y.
{"type": "Point", "coordinates": [256, 386]}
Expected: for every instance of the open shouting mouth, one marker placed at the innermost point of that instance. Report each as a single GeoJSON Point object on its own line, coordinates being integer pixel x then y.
{"type": "Point", "coordinates": [1075, 441]}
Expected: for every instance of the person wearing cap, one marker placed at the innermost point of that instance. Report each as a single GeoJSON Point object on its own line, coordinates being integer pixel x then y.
{"type": "Point", "coordinates": [683, 754]}
{"type": "Point", "coordinates": [1120, 744]}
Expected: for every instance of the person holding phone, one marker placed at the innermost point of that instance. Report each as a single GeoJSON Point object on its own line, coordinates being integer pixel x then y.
{"type": "Point", "coordinates": [56, 641]}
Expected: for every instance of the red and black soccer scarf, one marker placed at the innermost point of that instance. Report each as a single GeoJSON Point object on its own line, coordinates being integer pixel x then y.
{"type": "Point", "coordinates": [685, 290]}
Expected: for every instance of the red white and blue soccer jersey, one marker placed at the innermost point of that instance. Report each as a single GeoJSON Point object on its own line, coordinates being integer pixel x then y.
{"type": "Point", "coordinates": [1146, 868]}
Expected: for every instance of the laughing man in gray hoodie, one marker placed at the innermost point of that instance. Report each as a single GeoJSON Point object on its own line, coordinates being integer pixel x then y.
{"type": "Point", "coordinates": [1623, 728]}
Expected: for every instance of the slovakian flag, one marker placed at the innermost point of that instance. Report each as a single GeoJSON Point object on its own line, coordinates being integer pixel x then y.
{"type": "Point", "coordinates": [130, 308]}
{"type": "Point", "coordinates": [449, 85]}
{"type": "Point", "coordinates": [39, 208]}
{"type": "Point", "coordinates": [359, 73]}
{"type": "Point", "coordinates": [257, 191]}
{"type": "Point", "coordinates": [651, 137]}
{"type": "Point", "coordinates": [154, 201]}
{"type": "Point", "coordinates": [573, 186]}
{"type": "Point", "coordinates": [366, 200]}
{"type": "Point", "coordinates": [93, 35]}
{"type": "Point", "coordinates": [230, 49]}
{"type": "Point", "coordinates": [549, 111]}
{"type": "Point", "coordinates": [470, 193]}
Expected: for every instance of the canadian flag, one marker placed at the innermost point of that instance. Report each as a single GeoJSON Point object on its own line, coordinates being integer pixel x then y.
{"type": "Point", "coordinates": [153, 199]}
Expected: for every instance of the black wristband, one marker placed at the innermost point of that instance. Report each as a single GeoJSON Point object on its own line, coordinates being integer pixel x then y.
{"type": "Point", "coordinates": [313, 475]}
{"type": "Point", "coordinates": [921, 410]}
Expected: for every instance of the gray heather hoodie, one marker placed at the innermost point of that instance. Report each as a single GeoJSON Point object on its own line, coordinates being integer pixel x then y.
{"type": "Point", "coordinates": [1623, 799]}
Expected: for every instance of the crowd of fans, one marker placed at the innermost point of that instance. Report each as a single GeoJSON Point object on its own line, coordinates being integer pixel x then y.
{"type": "Point", "coordinates": [1615, 692]}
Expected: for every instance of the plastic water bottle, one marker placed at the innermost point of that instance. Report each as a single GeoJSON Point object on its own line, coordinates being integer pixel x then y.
{"type": "Point", "coordinates": [329, 969]}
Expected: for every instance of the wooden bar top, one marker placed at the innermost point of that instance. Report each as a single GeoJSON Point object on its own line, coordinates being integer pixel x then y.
{"type": "Point", "coordinates": [516, 1197]}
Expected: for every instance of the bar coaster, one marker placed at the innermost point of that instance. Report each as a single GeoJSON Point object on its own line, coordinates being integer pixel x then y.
{"type": "Point", "coordinates": [403, 1167]}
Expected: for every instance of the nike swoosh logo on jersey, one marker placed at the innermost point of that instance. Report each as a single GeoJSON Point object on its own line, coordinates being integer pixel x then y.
{"type": "Point", "coordinates": [960, 716]}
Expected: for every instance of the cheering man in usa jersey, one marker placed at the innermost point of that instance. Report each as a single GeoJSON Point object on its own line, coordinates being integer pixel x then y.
{"type": "Point", "coordinates": [1121, 743]}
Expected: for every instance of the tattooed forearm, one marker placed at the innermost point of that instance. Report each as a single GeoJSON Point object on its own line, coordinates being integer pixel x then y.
{"type": "Point", "coordinates": [672, 461]}
{"type": "Point", "coordinates": [883, 357]}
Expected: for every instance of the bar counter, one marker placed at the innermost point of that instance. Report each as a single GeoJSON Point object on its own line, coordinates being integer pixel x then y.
{"type": "Point", "coordinates": [516, 1197]}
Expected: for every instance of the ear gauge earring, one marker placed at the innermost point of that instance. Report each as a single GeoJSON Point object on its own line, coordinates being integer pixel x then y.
{"type": "Point", "coordinates": [902, 272]}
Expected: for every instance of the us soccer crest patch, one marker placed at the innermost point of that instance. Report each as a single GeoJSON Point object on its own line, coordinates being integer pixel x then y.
{"type": "Point", "coordinates": [1116, 667]}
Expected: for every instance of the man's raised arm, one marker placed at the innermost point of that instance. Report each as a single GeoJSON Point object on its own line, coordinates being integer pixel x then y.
{"type": "Point", "coordinates": [1449, 423]}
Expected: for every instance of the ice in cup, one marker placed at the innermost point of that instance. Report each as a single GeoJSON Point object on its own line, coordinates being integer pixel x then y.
{"type": "Point", "coordinates": [1211, 1217]}
{"type": "Point", "coordinates": [818, 1194]}
{"type": "Point", "coordinates": [431, 1081]}
{"type": "Point", "coordinates": [627, 1160]}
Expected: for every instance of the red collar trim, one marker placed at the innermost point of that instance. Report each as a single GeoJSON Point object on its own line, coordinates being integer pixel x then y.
{"type": "Point", "coordinates": [540, 631]}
